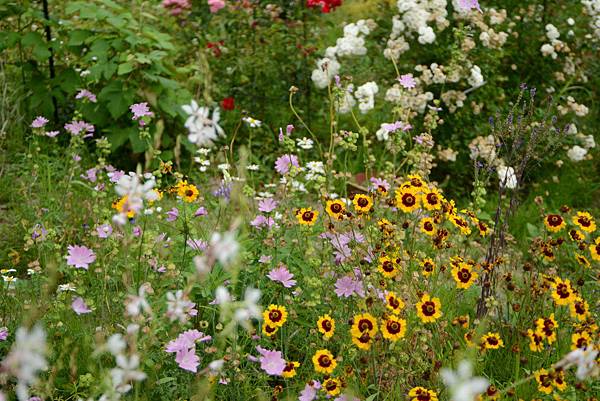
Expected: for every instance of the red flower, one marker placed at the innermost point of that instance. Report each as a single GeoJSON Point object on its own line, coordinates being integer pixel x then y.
{"type": "Point", "coordinates": [216, 47]}
{"type": "Point", "coordinates": [228, 103]}
{"type": "Point", "coordinates": [326, 5]}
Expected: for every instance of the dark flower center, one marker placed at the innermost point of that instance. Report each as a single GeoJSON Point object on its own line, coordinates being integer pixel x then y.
{"type": "Point", "coordinates": [428, 308]}
{"type": "Point", "coordinates": [393, 327]}
{"type": "Point", "coordinates": [275, 315]}
{"type": "Point", "coordinates": [324, 361]}
{"type": "Point", "coordinates": [408, 200]}
{"type": "Point", "coordinates": [307, 216]}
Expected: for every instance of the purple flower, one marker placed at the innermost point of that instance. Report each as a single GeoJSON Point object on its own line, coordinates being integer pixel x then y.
{"type": "Point", "coordinates": [38, 232]}
{"type": "Point", "coordinates": [104, 231]}
{"type": "Point", "coordinates": [139, 111]}
{"type": "Point", "coordinates": [379, 184]}
{"type": "Point", "coordinates": [260, 221]}
{"type": "Point", "coordinates": [3, 333]}
{"type": "Point", "coordinates": [197, 245]}
{"type": "Point", "coordinates": [224, 190]}
{"type": "Point", "coordinates": [283, 163]}
{"type": "Point", "coordinates": [39, 122]}
{"type": "Point", "coordinates": [187, 340]}
{"type": "Point", "coordinates": [265, 259]}
{"type": "Point", "coordinates": [172, 214]}
{"type": "Point", "coordinates": [267, 205]}
{"type": "Point", "coordinates": [52, 134]}
{"type": "Point", "coordinates": [201, 211]}
{"type": "Point", "coordinates": [79, 306]}
{"type": "Point", "coordinates": [188, 360]}
{"type": "Point", "coordinates": [77, 127]}
{"type": "Point", "coordinates": [137, 231]}
{"type": "Point", "coordinates": [90, 175]}
{"type": "Point", "coordinates": [115, 176]}
{"type": "Point", "coordinates": [80, 256]}
{"type": "Point", "coordinates": [344, 287]}
{"type": "Point", "coordinates": [393, 127]}
{"type": "Point", "coordinates": [469, 5]}
{"type": "Point", "coordinates": [35, 399]}
{"type": "Point", "coordinates": [310, 391]}
{"type": "Point", "coordinates": [86, 94]}
{"type": "Point", "coordinates": [282, 275]}
{"type": "Point", "coordinates": [271, 361]}
{"type": "Point", "coordinates": [289, 129]}
{"type": "Point", "coordinates": [407, 81]}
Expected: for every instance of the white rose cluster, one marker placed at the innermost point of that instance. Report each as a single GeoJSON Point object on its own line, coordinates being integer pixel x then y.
{"type": "Point", "coordinates": [365, 94]}
{"type": "Point", "coordinates": [592, 8]}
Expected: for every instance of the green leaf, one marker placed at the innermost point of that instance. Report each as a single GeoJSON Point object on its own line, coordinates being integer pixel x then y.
{"type": "Point", "coordinates": [165, 380]}
{"type": "Point", "coordinates": [77, 37]}
{"type": "Point", "coordinates": [532, 230]}
{"type": "Point", "coordinates": [118, 137]}
{"type": "Point", "coordinates": [138, 145]}
{"type": "Point", "coordinates": [125, 68]}
{"type": "Point", "coordinates": [8, 39]}
{"type": "Point", "coordinates": [39, 47]}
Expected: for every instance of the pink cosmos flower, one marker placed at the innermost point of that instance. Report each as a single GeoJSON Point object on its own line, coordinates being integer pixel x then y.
{"type": "Point", "coordinates": [201, 211]}
{"type": "Point", "coordinates": [469, 5]}
{"type": "Point", "coordinates": [188, 360]}
{"type": "Point", "coordinates": [139, 111]}
{"type": "Point", "coordinates": [86, 94]}
{"type": "Point", "coordinates": [215, 5]}
{"type": "Point", "coordinates": [172, 214]}
{"type": "Point", "coordinates": [282, 275]}
{"type": "Point", "coordinates": [271, 361]}
{"type": "Point", "coordinates": [39, 122]}
{"type": "Point", "coordinates": [283, 163]}
{"type": "Point", "coordinates": [79, 306]}
{"type": "Point", "coordinates": [267, 205]}
{"type": "Point", "coordinates": [407, 81]}
{"type": "Point", "coordinates": [310, 391]}
{"type": "Point", "coordinates": [80, 256]}
{"type": "Point", "coordinates": [379, 184]}
{"type": "Point", "coordinates": [104, 231]}
{"type": "Point", "coordinates": [77, 127]}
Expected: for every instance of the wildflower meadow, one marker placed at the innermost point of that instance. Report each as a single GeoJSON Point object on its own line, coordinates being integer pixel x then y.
{"type": "Point", "coordinates": [345, 200]}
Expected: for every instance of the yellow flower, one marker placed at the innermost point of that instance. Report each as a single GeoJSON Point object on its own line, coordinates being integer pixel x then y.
{"type": "Point", "coordinates": [544, 381]}
{"type": "Point", "coordinates": [427, 226]}
{"type": "Point", "coordinates": [462, 224]}
{"type": "Point", "coordinates": [386, 227]}
{"type": "Point", "coordinates": [585, 221]}
{"type": "Point", "coordinates": [275, 315]}
{"type": "Point", "coordinates": [188, 193]}
{"type": "Point", "coordinates": [562, 292]}
{"type": "Point", "coordinates": [464, 275]}
{"type": "Point", "coordinates": [576, 235]}
{"type": "Point", "coordinates": [363, 323]}
{"type": "Point", "coordinates": [290, 369]}
{"type": "Point", "coordinates": [554, 222]}
{"type": "Point", "coordinates": [269, 330]}
{"type": "Point", "coordinates": [422, 394]}
{"type": "Point", "coordinates": [326, 326]}
{"type": "Point", "coordinates": [432, 199]}
{"type": "Point", "coordinates": [580, 340]}
{"type": "Point", "coordinates": [415, 181]}
{"type": "Point", "coordinates": [429, 309]}
{"type": "Point", "coordinates": [363, 340]}
{"type": "Point", "coordinates": [393, 328]}
{"type": "Point", "coordinates": [484, 229]}
{"type": "Point", "coordinates": [491, 341]}
{"type": "Point", "coordinates": [407, 200]}
{"type": "Point", "coordinates": [307, 216]}
{"type": "Point", "coordinates": [388, 267]}
{"type": "Point", "coordinates": [323, 361]}
{"type": "Point", "coordinates": [558, 377]}
{"type": "Point", "coordinates": [582, 260]}
{"type": "Point", "coordinates": [595, 250]}
{"type": "Point", "coordinates": [393, 303]}
{"type": "Point", "coordinates": [336, 209]}
{"type": "Point", "coordinates": [122, 206]}
{"type": "Point", "coordinates": [332, 386]}
{"type": "Point", "coordinates": [536, 340]}
{"type": "Point", "coordinates": [547, 327]}
{"type": "Point", "coordinates": [427, 266]}
{"type": "Point", "coordinates": [362, 203]}
{"type": "Point", "coordinates": [579, 309]}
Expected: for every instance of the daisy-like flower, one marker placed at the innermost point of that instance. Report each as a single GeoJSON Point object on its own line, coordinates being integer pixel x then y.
{"type": "Point", "coordinates": [580, 340]}
{"type": "Point", "coordinates": [558, 378]}
{"type": "Point", "coordinates": [305, 143]}
{"type": "Point", "coordinates": [562, 292]}
{"type": "Point", "coordinates": [332, 386]}
{"type": "Point", "coordinates": [585, 221]}
{"type": "Point", "coordinates": [188, 193]}
{"type": "Point", "coordinates": [203, 129]}
{"type": "Point", "coordinates": [140, 110]}
{"type": "Point", "coordinates": [427, 267]}
{"type": "Point", "coordinates": [324, 362]}
{"type": "Point", "coordinates": [422, 394]}
{"type": "Point", "coordinates": [407, 200]}
{"type": "Point", "coordinates": [39, 122]}
{"type": "Point", "coordinates": [336, 209]}
{"type": "Point", "coordinates": [275, 315]}
{"type": "Point", "coordinates": [429, 309]}
{"type": "Point", "coordinates": [536, 340]}
{"type": "Point", "coordinates": [576, 235]}
{"type": "Point", "coordinates": [432, 199]}
{"type": "Point", "coordinates": [362, 203]}
{"type": "Point", "coordinates": [554, 222]}
{"type": "Point", "coordinates": [491, 341]}
{"type": "Point", "coordinates": [284, 163]}
{"type": "Point", "coordinates": [252, 122]}
{"type": "Point", "coordinates": [363, 341]}
{"type": "Point", "coordinates": [80, 256]}
{"type": "Point", "coordinates": [283, 276]}
{"type": "Point", "coordinates": [461, 223]}
{"type": "Point", "coordinates": [547, 327]}
{"type": "Point", "coordinates": [393, 328]}
{"type": "Point", "coordinates": [427, 226]}
{"type": "Point", "coordinates": [326, 326]}
{"type": "Point", "coordinates": [269, 330]}
{"type": "Point", "coordinates": [544, 381]}
{"type": "Point", "coordinates": [290, 369]}
{"type": "Point", "coordinates": [463, 386]}
{"type": "Point", "coordinates": [271, 361]}
{"type": "Point", "coordinates": [483, 228]}
{"type": "Point", "coordinates": [407, 81]}
{"type": "Point", "coordinates": [364, 323]}
{"type": "Point", "coordinates": [267, 205]}
{"type": "Point", "coordinates": [388, 267]}
{"type": "Point", "coordinates": [579, 309]}
{"type": "Point", "coordinates": [307, 216]}
{"type": "Point", "coordinates": [79, 306]}
{"type": "Point", "coordinates": [582, 260]}
{"type": "Point", "coordinates": [464, 275]}
{"type": "Point", "coordinates": [595, 250]}
{"type": "Point", "coordinates": [393, 303]}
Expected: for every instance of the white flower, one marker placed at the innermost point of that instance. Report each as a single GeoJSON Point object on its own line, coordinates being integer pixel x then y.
{"type": "Point", "coordinates": [224, 247]}
{"type": "Point", "coordinates": [26, 358]}
{"type": "Point", "coordinates": [426, 35]}
{"type": "Point", "coordinates": [365, 94]}
{"type": "Point", "coordinates": [461, 383]}
{"type": "Point", "coordinates": [507, 177]}
{"type": "Point", "coordinates": [115, 344]}
{"type": "Point", "coordinates": [476, 78]}
{"type": "Point", "coordinates": [179, 307]}
{"type": "Point", "coordinates": [589, 142]}
{"type": "Point", "coordinates": [346, 101]}
{"type": "Point", "coordinates": [66, 287]}
{"type": "Point", "coordinates": [327, 68]}
{"type": "Point", "coordinates": [202, 129]}
{"type": "Point", "coordinates": [216, 365]}
{"type": "Point", "coordinates": [577, 153]}
{"type": "Point", "coordinates": [252, 122]}
{"type": "Point", "coordinates": [305, 143]}
{"type": "Point", "coordinates": [548, 50]}
{"type": "Point", "coordinates": [136, 304]}
{"type": "Point", "coordinates": [126, 372]}
{"type": "Point", "coordinates": [249, 309]}
{"type": "Point", "coordinates": [584, 359]}
{"type": "Point", "coordinates": [136, 192]}
{"type": "Point", "coordinates": [551, 32]}
{"type": "Point", "coordinates": [253, 167]}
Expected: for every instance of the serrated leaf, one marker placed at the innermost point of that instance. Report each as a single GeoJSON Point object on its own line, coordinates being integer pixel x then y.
{"type": "Point", "coordinates": [125, 68]}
